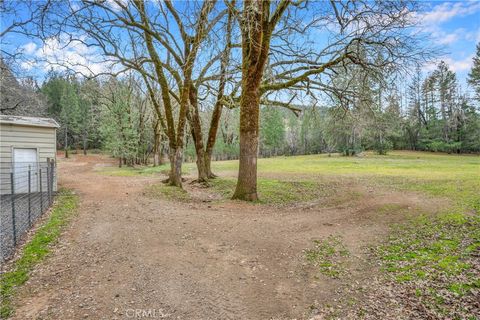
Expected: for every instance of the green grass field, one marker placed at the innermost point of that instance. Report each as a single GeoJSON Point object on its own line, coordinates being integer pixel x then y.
{"type": "Point", "coordinates": [452, 176]}
{"type": "Point", "coordinates": [456, 177]}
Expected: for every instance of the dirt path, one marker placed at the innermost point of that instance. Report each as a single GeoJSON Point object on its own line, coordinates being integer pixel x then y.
{"type": "Point", "coordinates": [126, 251]}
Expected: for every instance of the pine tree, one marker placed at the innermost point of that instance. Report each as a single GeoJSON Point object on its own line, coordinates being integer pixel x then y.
{"type": "Point", "coordinates": [272, 130]}
{"type": "Point", "coordinates": [69, 114]}
{"type": "Point", "coordinates": [474, 75]}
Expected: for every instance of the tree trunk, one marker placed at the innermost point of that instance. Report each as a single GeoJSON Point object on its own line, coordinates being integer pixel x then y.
{"type": "Point", "coordinates": [192, 45]}
{"type": "Point", "coordinates": [208, 164]}
{"type": "Point", "coordinates": [157, 155]}
{"type": "Point", "coordinates": [217, 110]}
{"type": "Point", "coordinates": [196, 128]}
{"type": "Point", "coordinates": [85, 144]}
{"type": "Point", "coordinates": [200, 153]}
{"type": "Point", "coordinates": [176, 159]}
{"type": "Point", "coordinates": [212, 134]}
{"type": "Point", "coordinates": [256, 34]}
{"type": "Point", "coordinates": [201, 165]}
{"type": "Point", "coordinates": [249, 115]}
{"type": "Point", "coordinates": [66, 142]}
{"type": "Point", "coordinates": [157, 144]}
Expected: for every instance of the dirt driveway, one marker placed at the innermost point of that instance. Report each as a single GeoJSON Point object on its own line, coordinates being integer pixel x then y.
{"type": "Point", "coordinates": [126, 255]}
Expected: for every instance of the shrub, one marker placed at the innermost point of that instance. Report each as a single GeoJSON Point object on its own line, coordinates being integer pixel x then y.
{"type": "Point", "coordinates": [441, 146]}
{"type": "Point", "coordinates": [382, 147]}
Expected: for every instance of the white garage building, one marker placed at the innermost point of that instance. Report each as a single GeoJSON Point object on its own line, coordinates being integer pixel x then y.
{"type": "Point", "coordinates": [26, 144]}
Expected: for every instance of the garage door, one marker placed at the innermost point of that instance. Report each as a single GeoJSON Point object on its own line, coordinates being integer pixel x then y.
{"type": "Point", "coordinates": [24, 160]}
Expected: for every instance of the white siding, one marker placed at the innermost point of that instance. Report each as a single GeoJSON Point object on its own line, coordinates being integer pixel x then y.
{"type": "Point", "coordinates": [20, 136]}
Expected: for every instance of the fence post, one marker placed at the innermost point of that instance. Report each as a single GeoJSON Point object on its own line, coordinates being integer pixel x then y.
{"type": "Point", "coordinates": [52, 177]}
{"type": "Point", "coordinates": [13, 210]}
{"type": "Point", "coordinates": [48, 181]}
{"type": "Point", "coordinates": [41, 192]}
{"type": "Point", "coordinates": [29, 196]}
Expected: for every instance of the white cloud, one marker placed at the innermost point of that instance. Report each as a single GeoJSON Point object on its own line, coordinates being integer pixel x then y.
{"type": "Point", "coordinates": [460, 65]}
{"type": "Point", "coordinates": [27, 65]}
{"type": "Point", "coordinates": [473, 35]}
{"type": "Point", "coordinates": [455, 65]}
{"type": "Point", "coordinates": [29, 48]}
{"type": "Point", "coordinates": [448, 10]}
{"type": "Point", "coordinates": [441, 37]}
{"type": "Point", "coordinates": [430, 22]}
{"type": "Point", "coordinates": [61, 54]}
{"type": "Point", "coordinates": [115, 4]}
{"type": "Point", "coordinates": [446, 38]}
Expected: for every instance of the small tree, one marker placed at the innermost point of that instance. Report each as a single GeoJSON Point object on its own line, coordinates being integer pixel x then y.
{"type": "Point", "coordinates": [272, 130]}
{"type": "Point", "coordinates": [119, 125]}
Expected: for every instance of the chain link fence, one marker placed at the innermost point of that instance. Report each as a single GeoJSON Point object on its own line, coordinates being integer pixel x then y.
{"type": "Point", "coordinates": [27, 190]}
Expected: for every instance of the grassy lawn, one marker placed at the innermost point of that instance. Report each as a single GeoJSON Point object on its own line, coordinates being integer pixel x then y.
{"type": "Point", "coordinates": [280, 191]}
{"type": "Point", "coordinates": [36, 250]}
{"type": "Point", "coordinates": [133, 171]}
{"type": "Point", "coordinates": [303, 178]}
{"type": "Point", "coordinates": [436, 174]}
{"type": "Point", "coordinates": [451, 176]}
{"type": "Point", "coordinates": [398, 163]}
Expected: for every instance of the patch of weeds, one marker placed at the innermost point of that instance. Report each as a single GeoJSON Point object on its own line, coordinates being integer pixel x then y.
{"type": "Point", "coordinates": [126, 171]}
{"type": "Point", "coordinates": [119, 172]}
{"type": "Point", "coordinates": [327, 255]}
{"type": "Point", "coordinates": [460, 289]}
{"type": "Point", "coordinates": [37, 249]}
{"type": "Point", "coordinates": [437, 253]}
{"type": "Point", "coordinates": [277, 192]}
{"type": "Point", "coordinates": [284, 192]}
{"type": "Point", "coordinates": [462, 190]}
{"type": "Point", "coordinates": [432, 261]}
{"type": "Point", "coordinates": [169, 192]}
{"type": "Point", "coordinates": [224, 186]}
{"type": "Point", "coordinates": [389, 208]}
{"type": "Point", "coordinates": [438, 245]}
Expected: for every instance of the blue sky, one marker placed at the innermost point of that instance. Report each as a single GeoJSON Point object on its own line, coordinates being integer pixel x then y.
{"type": "Point", "coordinates": [453, 26]}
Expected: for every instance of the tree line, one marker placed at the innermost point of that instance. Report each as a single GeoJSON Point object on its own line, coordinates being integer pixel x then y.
{"type": "Point", "coordinates": [237, 79]}
{"type": "Point", "coordinates": [116, 115]}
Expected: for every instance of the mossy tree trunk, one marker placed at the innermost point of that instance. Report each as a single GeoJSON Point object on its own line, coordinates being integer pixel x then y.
{"type": "Point", "coordinates": [196, 130]}
{"type": "Point", "coordinates": [249, 114]}
{"type": "Point", "coordinates": [257, 26]}
{"type": "Point", "coordinates": [175, 132]}
{"type": "Point", "coordinates": [217, 110]}
{"type": "Point", "coordinates": [157, 143]}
